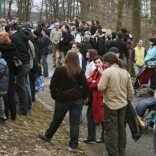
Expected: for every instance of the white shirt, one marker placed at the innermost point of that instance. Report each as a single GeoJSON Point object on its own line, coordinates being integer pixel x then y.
{"type": "Point", "coordinates": [89, 68]}
{"type": "Point", "coordinates": [80, 59]}
{"type": "Point", "coordinates": [78, 38]}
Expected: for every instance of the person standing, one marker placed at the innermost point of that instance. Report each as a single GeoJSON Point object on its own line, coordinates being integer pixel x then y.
{"type": "Point", "coordinates": [137, 57]}
{"type": "Point", "coordinates": [95, 111]}
{"type": "Point", "coordinates": [100, 43]}
{"type": "Point", "coordinates": [121, 45]}
{"type": "Point", "coordinates": [55, 36]}
{"type": "Point", "coordinates": [117, 87]}
{"type": "Point", "coordinates": [45, 51]}
{"type": "Point", "coordinates": [68, 88]}
{"type": "Point", "coordinates": [64, 44]}
{"type": "Point", "coordinates": [78, 37]}
{"type": "Point", "coordinates": [20, 40]}
{"type": "Point", "coordinates": [90, 63]}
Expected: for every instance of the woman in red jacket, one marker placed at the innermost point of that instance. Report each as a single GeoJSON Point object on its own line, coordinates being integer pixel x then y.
{"type": "Point", "coordinates": [95, 112]}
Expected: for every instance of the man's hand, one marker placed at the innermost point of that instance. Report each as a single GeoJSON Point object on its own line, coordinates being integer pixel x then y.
{"type": "Point", "coordinates": [155, 94]}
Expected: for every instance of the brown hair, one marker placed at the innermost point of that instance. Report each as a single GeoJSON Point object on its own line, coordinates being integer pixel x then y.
{"type": "Point", "coordinates": [98, 57]}
{"type": "Point", "coordinates": [4, 38]}
{"type": "Point", "coordinates": [72, 64]}
{"type": "Point", "coordinates": [92, 53]}
{"type": "Point", "coordinates": [111, 58]}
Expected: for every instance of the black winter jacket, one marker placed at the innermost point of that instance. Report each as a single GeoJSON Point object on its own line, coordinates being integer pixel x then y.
{"type": "Point", "coordinates": [20, 40]}
{"type": "Point", "coordinates": [64, 45]}
{"type": "Point", "coordinates": [121, 45]}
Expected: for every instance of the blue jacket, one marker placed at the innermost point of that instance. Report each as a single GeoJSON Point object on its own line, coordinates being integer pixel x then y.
{"type": "Point", "coordinates": [4, 81]}
{"type": "Point", "coordinates": [150, 54]}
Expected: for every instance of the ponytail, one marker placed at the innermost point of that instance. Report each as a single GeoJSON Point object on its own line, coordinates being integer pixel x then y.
{"type": "Point", "coordinates": [120, 63]}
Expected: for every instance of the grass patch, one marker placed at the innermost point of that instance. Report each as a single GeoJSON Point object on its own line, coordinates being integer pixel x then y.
{"type": "Point", "coordinates": [20, 137]}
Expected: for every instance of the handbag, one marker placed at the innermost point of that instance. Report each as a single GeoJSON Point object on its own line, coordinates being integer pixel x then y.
{"type": "Point", "coordinates": [17, 62]}
{"type": "Point", "coordinates": [39, 84]}
{"type": "Point", "coordinates": [17, 65]}
{"type": "Point", "coordinates": [89, 99]}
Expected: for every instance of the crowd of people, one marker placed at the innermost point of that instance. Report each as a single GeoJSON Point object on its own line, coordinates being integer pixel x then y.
{"type": "Point", "coordinates": [90, 66]}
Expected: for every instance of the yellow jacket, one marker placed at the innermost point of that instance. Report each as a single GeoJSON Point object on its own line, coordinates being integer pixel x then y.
{"type": "Point", "coordinates": [139, 56]}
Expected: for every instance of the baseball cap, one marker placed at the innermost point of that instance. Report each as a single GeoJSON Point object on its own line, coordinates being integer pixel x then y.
{"type": "Point", "coordinates": [114, 50]}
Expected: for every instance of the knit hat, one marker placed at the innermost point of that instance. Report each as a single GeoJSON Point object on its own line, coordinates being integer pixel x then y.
{"type": "Point", "coordinates": [37, 33]}
{"type": "Point", "coordinates": [114, 50]}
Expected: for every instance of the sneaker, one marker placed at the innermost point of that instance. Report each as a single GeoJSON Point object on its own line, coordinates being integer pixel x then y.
{"type": "Point", "coordinates": [89, 141]}
{"type": "Point", "coordinates": [100, 141]}
{"type": "Point", "coordinates": [71, 149]}
{"type": "Point", "coordinates": [42, 136]}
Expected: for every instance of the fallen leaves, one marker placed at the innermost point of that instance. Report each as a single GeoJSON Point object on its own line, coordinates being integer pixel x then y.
{"type": "Point", "coordinates": [20, 137]}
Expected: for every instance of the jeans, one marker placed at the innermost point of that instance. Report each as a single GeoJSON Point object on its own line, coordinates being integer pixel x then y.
{"type": "Point", "coordinates": [21, 88]}
{"type": "Point", "coordinates": [92, 126]}
{"type": "Point", "coordinates": [115, 131]}
{"type": "Point", "coordinates": [2, 108]}
{"type": "Point", "coordinates": [74, 108]}
{"type": "Point", "coordinates": [137, 70]}
{"type": "Point", "coordinates": [45, 65]}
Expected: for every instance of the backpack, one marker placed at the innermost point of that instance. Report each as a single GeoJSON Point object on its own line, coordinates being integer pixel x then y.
{"type": "Point", "coordinates": [4, 77]}
{"type": "Point", "coordinates": [129, 43]}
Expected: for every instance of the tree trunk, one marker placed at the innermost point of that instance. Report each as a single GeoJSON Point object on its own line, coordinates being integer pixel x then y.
{"type": "Point", "coordinates": [153, 11]}
{"type": "Point", "coordinates": [9, 10]}
{"type": "Point", "coordinates": [20, 10]}
{"type": "Point", "coordinates": [119, 17]}
{"type": "Point", "coordinates": [40, 19]}
{"type": "Point", "coordinates": [136, 20]}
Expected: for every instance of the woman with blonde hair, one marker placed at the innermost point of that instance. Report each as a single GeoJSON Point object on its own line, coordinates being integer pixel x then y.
{"type": "Point", "coordinates": [68, 88]}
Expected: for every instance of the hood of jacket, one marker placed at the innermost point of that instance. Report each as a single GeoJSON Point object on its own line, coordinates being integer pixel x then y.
{"type": "Point", "coordinates": [23, 36]}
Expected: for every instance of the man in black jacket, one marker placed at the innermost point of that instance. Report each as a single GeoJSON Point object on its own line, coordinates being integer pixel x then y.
{"type": "Point", "coordinates": [121, 45]}
{"type": "Point", "coordinates": [100, 43]}
{"type": "Point", "coordinates": [20, 40]}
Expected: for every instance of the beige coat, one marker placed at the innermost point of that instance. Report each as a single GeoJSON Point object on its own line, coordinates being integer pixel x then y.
{"type": "Point", "coordinates": [117, 87]}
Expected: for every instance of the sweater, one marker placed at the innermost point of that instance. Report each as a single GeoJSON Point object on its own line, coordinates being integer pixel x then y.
{"type": "Point", "coordinates": [117, 87]}
{"type": "Point", "coordinates": [63, 89]}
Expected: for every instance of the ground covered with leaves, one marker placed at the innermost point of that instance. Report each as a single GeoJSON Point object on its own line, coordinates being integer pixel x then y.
{"type": "Point", "coordinates": [20, 137]}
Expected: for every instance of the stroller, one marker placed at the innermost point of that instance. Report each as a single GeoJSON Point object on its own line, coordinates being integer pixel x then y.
{"type": "Point", "coordinates": [142, 81]}
{"type": "Point", "coordinates": [144, 108]}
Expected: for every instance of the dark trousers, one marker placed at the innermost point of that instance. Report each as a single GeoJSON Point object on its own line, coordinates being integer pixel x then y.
{"type": "Point", "coordinates": [32, 86]}
{"type": "Point", "coordinates": [60, 111]}
{"type": "Point", "coordinates": [115, 132]}
{"type": "Point", "coordinates": [10, 105]}
{"type": "Point", "coordinates": [92, 126]}
{"type": "Point", "coordinates": [21, 88]}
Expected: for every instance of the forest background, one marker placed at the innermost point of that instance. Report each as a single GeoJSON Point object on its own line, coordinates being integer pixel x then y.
{"type": "Point", "coordinates": [138, 16]}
